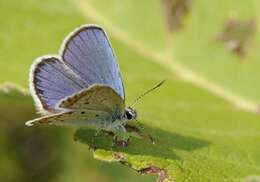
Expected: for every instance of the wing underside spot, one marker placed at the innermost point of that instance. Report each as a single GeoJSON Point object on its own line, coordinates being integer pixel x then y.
{"type": "Point", "coordinates": [96, 97]}
{"type": "Point", "coordinates": [77, 117]}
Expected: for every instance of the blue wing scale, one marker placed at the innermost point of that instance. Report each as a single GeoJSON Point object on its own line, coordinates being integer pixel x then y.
{"type": "Point", "coordinates": [86, 58]}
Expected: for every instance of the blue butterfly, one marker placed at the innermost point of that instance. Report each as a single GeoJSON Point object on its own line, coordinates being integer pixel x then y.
{"type": "Point", "coordinates": [82, 85]}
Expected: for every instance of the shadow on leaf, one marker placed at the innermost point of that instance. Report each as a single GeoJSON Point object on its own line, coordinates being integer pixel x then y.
{"type": "Point", "coordinates": [165, 143]}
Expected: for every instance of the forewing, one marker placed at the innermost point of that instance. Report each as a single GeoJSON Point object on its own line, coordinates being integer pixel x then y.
{"type": "Point", "coordinates": [51, 80]}
{"type": "Point", "coordinates": [96, 97]}
{"type": "Point", "coordinates": [77, 117]}
{"type": "Point", "coordinates": [88, 53]}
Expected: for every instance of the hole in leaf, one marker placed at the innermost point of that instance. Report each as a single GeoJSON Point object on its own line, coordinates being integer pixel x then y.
{"type": "Point", "coordinates": [174, 12]}
{"type": "Point", "coordinates": [237, 35]}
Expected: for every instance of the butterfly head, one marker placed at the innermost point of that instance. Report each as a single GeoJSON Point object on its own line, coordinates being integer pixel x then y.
{"type": "Point", "coordinates": [130, 113]}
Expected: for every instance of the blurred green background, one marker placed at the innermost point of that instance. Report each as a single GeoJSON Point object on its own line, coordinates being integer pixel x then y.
{"type": "Point", "coordinates": [205, 119]}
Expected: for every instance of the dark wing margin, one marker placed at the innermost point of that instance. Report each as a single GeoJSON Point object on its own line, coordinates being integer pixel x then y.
{"type": "Point", "coordinates": [51, 81]}
{"type": "Point", "coordinates": [88, 53]}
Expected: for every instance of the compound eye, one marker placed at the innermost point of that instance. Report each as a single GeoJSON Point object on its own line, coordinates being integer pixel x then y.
{"type": "Point", "coordinates": [128, 115]}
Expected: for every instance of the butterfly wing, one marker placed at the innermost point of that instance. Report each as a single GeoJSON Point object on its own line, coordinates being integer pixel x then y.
{"type": "Point", "coordinates": [50, 81]}
{"type": "Point", "coordinates": [88, 53]}
{"type": "Point", "coordinates": [96, 97]}
{"type": "Point", "coordinates": [76, 117]}
{"type": "Point", "coordinates": [86, 59]}
{"type": "Point", "coordinates": [94, 106]}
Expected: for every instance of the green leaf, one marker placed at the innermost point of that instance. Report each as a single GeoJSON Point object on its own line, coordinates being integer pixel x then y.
{"type": "Point", "coordinates": [27, 154]}
{"type": "Point", "coordinates": [198, 135]}
{"type": "Point", "coordinates": [193, 52]}
{"type": "Point", "coordinates": [45, 153]}
{"type": "Point", "coordinates": [31, 29]}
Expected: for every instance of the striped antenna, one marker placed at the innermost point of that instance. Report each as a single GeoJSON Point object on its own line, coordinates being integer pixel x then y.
{"type": "Point", "coordinates": [148, 91]}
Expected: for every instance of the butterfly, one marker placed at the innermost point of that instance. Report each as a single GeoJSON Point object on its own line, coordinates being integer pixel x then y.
{"type": "Point", "coordinates": [82, 85]}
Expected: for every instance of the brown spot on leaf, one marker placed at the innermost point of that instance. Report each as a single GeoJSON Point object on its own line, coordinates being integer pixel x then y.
{"type": "Point", "coordinates": [162, 173]}
{"type": "Point", "coordinates": [119, 157]}
{"type": "Point", "coordinates": [174, 12]}
{"type": "Point", "coordinates": [237, 35]}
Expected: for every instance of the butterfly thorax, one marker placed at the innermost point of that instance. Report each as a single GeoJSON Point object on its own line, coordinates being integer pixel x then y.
{"type": "Point", "coordinates": [128, 115]}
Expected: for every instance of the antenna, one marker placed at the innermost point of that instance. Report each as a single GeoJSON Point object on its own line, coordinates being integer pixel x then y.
{"type": "Point", "coordinates": [148, 91]}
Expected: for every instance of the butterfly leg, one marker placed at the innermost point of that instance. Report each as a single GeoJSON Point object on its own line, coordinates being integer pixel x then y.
{"type": "Point", "coordinates": [113, 144]}
{"type": "Point", "coordinates": [122, 133]}
{"type": "Point", "coordinates": [134, 129]}
{"type": "Point", "coordinates": [92, 144]}
{"type": "Point", "coordinates": [120, 143]}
